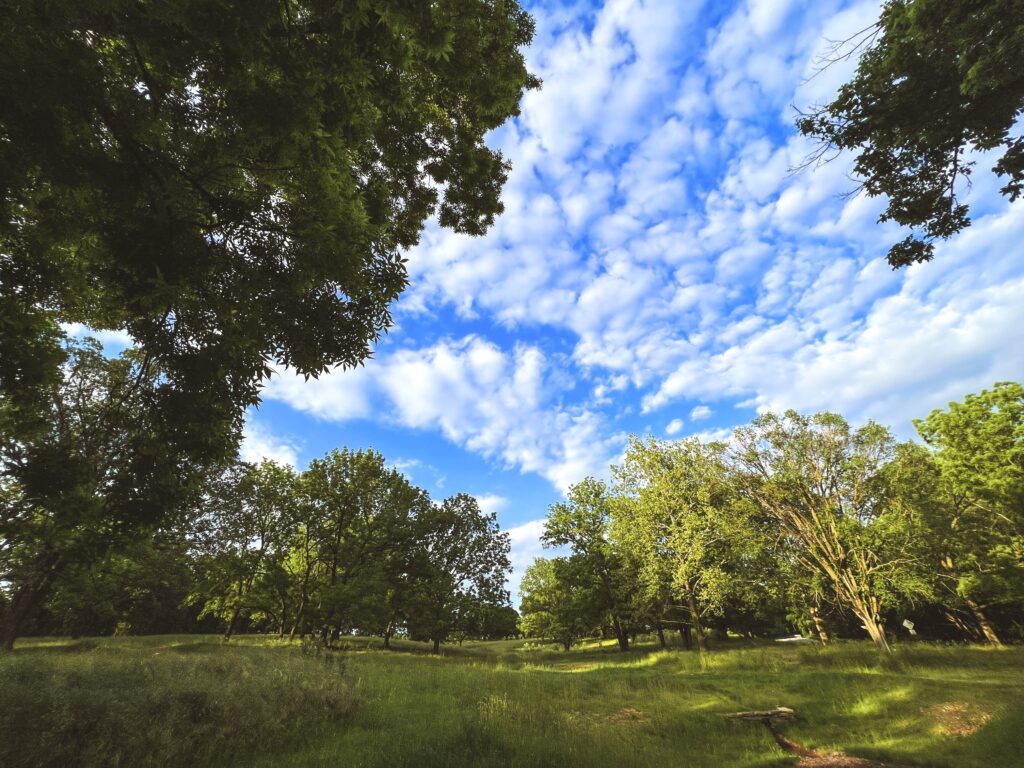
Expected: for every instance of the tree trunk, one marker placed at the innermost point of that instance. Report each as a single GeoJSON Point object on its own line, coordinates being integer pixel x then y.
{"type": "Point", "coordinates": [388, 632]}
{"type": "Point", "coordinates": [877, 634]}
{"type": "Point", "coordinates": [684, 633]}
{"type": "Point", "coordinates": [231, 624]}
{"type": "Point", "coordinates": [284, 617]}
{"type": "Point", "coordinates": [24, 604]}
{"type": "Point", "coordinates": [698, 630]}
{"type": "Point", "coordinates": [567, 644]}
{"type": "Point", "coordinates": [959, 623]}
{"type": "Point", "coordinates": [437, 645]}
{"type": "Point", "coordinates": [620, 634]}
{"type": "Point", "coordinates": [983, 622]}
{"type": "Point", "coordinates": [29, 598]}
{"type": "Point", "coordinates": [661, 637]}
{"type": "Point", "coordinates": [819, 625]}
{"type": "Point", "coordinates": [873, 626]}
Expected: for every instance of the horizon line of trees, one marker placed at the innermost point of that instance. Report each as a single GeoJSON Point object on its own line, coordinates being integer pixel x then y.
{"type": "Point", "coordinates": [110, 522]}
{"type": "Point", "coordinates": [797, 523]}
{"type": "Point", "coordinates": [348, 546]}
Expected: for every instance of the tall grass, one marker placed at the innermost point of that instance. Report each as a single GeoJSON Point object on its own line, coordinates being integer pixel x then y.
{"type": "Point", "coordinates": [175, 704]}
{"type": "Point", "coordinates": [186, 701]}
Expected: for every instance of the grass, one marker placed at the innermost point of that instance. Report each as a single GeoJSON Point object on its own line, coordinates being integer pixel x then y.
{"type": "Point", "coordinates": [194, 701]}
{"type": "Point", "coordinates": [161, 702]}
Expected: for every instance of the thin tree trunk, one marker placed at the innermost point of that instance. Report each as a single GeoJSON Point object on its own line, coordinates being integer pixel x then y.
{"type": "Point", "coordinates": [684, 633]}
{"type": "Point", "coordinates": [231, 624]}
{"type": "Point", "coordinates": [620, 634]}
{"type": "Point", "coordinates": [959, 623]}
{"type": "Point", "coordinates": [437, 645]}
{"type": "Point", "coordinates": [819, 625]}
{"type": "Point", "coordinates": [983, 622]}
{"type": "Point", "coordinates": [661, 637]}
{"type": "Point", "coordinates": [299, 617]}
{"type": "Point", "coordinates": [691, 604]}
{"type": "Point", "coordinates": [284, 617]}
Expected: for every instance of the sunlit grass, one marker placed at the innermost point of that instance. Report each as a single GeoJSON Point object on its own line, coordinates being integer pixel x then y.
{"type": "Point", "coordinates": [511, 703]}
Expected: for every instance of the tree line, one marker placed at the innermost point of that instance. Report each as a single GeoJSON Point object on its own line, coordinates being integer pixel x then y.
{"type": "Point", "coordinates": [108, 526]}
{"type": "Point", "coordinates": [797, 522]}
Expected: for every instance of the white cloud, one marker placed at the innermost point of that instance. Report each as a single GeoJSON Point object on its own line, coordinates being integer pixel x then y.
{"type": "Point", "coordinates": [953, 328]}
{"type": "Point", "coordinates": [525, 548]}
{"type": "Point", "coordinates": [259, 443]}
{"type": "Point", "coordinates": [655, 249]}
{"type": "Point", "coordinates": [495, 403]}
{"type": "Point", "coordinates": [700, 412]}
{"type": "Point", "coordinates": [491, 502]}
{"type": "Point", "coordinates": [112, 341]}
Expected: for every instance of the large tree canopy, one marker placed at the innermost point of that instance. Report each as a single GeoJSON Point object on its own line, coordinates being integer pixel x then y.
{"type": "Point", "coordinates": [231, 182]}
{"type": "Point", "coordinates": [937, 79]}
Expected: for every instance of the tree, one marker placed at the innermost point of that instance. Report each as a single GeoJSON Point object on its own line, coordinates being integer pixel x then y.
{"type": "Point", "coordinates": [242, 538]}
{"type": "Point", "coordinates": [822, 483]}
{"type": "Point", "coordinates": [360, 517]}
{"type": "Point", "coordinates": [232, 183]}
{"type": "Point", "coordinates": [557, 604]}
{"type": "Point", "coordinates": [87, 467]}
{"type": "Point", "coordinates": [674, 500]}
{"type": "Point", "coordinates": [461, 562]}
{"type": "Point", "coordinates": [582, 523]}
{"type": "Point", "coordinates": [972, 493]}
{"type": "Point", "coordinates": [936, 80]}
{"type": "Point", "coordinates": [497, 622]}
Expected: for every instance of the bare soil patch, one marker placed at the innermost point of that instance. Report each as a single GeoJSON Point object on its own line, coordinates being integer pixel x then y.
{"type": "Point", "coordinates": [627, 716]}
{"type": "Point", "coordinates": [957, 718]}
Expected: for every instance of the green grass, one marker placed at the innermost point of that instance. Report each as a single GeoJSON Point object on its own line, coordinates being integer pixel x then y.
{"type": "Point", "coordinates": [168, 701]}
{"type": "Point", "coordinates": [176, 701]}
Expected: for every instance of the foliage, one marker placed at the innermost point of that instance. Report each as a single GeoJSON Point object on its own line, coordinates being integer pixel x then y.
{"type": "Point", "coordinates": [975, 511]}
{"type": "Point", "coordinates": [678, 517]}
{"type": "Point", "coordinates": [231, 183]}
{"type": "Point", "coordinates": [460, 562]}
{"type": "Point", "coordinates": [822, 484]}
{"type": "Point", "coordinates": [360, 520]}
{"type": "Point", "coordinates": [556, 605]}
{"type": "Point", "coordinates": [96, 469]}
{"type": "Point", "coordinates": [798, 522]}
{"type": "Point", "coordinates": [583, 523]}
{"type": "Point", "coordinates": [241, 537]}
{"type": "Point", "coordinates": [936, 81]}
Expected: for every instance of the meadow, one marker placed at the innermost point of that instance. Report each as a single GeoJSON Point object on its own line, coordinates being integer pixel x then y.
{"type": "Point", "coordinates": [186, 700]}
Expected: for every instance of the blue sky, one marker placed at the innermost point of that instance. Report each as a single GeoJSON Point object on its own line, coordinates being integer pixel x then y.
{"type": "Point", "coordinates": [658, 270]}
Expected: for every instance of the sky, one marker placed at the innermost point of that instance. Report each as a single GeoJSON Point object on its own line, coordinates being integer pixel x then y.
{"type": "Point", "coordinates": [659, 270]}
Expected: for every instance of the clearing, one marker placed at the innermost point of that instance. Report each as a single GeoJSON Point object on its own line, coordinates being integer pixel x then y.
{"type": "Point", "coordinates": [263, 702]}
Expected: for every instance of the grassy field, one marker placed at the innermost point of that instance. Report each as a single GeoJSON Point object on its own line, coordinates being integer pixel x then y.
{"type": "Point", "coordinates": [194, 701]}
